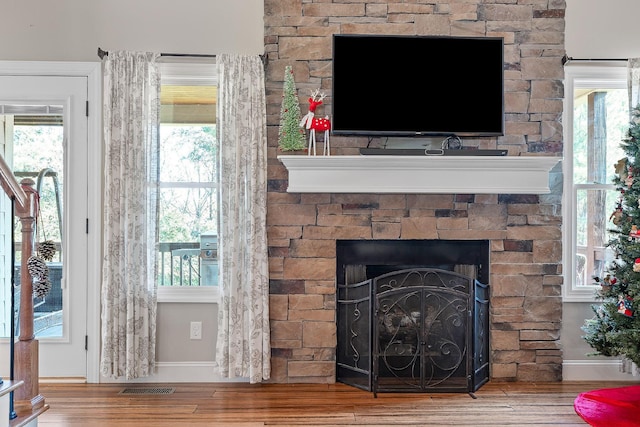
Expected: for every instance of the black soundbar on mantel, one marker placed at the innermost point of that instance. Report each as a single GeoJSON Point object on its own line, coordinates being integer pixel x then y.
{"type": "Point", "coordinates": [429, 152]}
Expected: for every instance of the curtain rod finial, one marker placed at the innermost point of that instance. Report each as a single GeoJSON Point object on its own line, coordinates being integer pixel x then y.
{"type": "Point", "coordinates": [102, 53]}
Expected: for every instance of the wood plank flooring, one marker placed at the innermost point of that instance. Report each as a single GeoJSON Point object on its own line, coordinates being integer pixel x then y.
{"type": "Point", "coordinates": [496, 404]}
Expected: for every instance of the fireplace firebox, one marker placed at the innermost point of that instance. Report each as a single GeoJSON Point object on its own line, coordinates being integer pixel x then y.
{"type": "Point", "coordinates": [413, 315]}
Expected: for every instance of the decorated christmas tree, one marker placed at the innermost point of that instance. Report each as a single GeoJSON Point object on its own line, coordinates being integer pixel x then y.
{"type": "Point", "coordinates": [291, 136]}
{"type": "Point", "coordinates": [615, 328]}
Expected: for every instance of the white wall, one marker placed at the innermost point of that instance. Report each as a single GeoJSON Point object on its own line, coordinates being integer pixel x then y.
{"type": "Point", "coordinates": [595, 29]}
{"type": "Point", "coordinates": [72, 30]}
{"type": "Point", "coordinates": [602, 29]}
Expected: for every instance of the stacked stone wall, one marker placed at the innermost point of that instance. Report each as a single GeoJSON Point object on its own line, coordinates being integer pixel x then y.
{"type": "Point", "coordinates": [524, 230]}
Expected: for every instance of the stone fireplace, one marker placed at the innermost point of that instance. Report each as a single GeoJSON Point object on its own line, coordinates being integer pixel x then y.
{"type": "Point", "coordinates": [524, 239]}
{"type": "Point", "coordinates": [523, 230]}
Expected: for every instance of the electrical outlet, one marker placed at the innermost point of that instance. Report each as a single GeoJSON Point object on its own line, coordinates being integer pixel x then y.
{"type": "Point", "coordinates": [196, 331]}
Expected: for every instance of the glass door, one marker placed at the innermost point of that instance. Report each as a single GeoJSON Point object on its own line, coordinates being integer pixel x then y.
{"type": "Point", "coordinates": [45, 139]}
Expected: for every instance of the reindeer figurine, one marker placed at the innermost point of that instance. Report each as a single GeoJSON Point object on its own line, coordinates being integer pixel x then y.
{"type": "Point", "coordinates": [309, 121]}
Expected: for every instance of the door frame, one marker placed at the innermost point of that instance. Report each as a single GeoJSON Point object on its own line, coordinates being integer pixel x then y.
{"type": "Point", "coordinates": [93, 72]}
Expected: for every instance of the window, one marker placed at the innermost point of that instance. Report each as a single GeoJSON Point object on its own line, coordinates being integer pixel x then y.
{"type": "Point", "coordinates": [36, 137]}
{"type": "Point", "coordinates": [188, 210]}
{"type": "Point", "coordinates": [596, 118]}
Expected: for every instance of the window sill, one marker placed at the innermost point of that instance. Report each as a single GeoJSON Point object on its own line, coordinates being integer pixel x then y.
{"type": "Point", "coordinates": [581, 295]}
{"type": "Point", "coordinates": [201, 294]}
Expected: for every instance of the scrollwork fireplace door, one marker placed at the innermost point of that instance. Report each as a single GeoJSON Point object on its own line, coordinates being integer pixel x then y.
{"type": "Point", "coordinates": [416, 329]}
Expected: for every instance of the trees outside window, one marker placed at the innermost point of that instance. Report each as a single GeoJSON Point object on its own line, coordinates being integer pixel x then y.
{"type": "Point", "coordinates": [595, 123]}
{"type": "Point", "coordinates": [188, 205]}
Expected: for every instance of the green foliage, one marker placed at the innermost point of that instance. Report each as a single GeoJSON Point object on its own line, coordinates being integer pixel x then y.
{"type": "Point", "coordinates": [188, 167]}
{"type": "Point", "coordinates": [615, 118]}
{"type": "Point", "coordinates": [36, 148]}
{"type": "Point", "coordinates": [291, 136]}
{"type": "Point", "coordinates": [611, 332]}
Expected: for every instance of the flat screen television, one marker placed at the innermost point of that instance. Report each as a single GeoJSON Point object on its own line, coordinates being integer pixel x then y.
{"type": "Point", "coordinates": [411, 86]}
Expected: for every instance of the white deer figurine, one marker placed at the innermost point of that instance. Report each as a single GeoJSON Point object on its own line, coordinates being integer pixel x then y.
{"type": "Point", "coordinates": [309, 121]}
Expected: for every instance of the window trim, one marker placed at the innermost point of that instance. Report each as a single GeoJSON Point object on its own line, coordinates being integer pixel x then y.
{"type": "Point", "coordinates": [191, 294]}
{"type": "Point", "coordinates": [195, 72]}
{"type": "Point", "coordinates": [608, 76]}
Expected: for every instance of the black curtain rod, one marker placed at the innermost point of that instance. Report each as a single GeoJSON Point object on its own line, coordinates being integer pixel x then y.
{"type": "Point", "coordinates": [103, 53]}
{"type": "Point", "coordinates": [566, 59]}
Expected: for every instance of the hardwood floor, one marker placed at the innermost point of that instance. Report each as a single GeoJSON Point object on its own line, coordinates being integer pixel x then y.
{"type": "Point", "coordinates": [495, 404]}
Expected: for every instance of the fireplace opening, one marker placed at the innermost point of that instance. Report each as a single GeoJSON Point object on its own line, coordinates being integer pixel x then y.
{"type": "Point", "coordinates": [413, 315]}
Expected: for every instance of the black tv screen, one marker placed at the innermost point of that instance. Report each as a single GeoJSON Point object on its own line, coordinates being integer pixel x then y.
{"type": "Point", "coordinates": [417, 85]}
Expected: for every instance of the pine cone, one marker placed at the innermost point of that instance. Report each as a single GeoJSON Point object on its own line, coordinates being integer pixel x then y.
{"type": "Point", "coordinates": [37, 268]}
{"type": "Point", "coordinates": [41, 288]}
{"type": "Point", "coordinates": [47, 250]}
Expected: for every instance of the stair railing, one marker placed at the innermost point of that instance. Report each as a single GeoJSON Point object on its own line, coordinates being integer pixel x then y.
{"type": "Point", "coordinates": [25, 199]}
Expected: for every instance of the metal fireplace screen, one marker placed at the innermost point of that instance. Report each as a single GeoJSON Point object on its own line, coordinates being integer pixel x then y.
{"type": "Point", "coordinates": [415, 329]}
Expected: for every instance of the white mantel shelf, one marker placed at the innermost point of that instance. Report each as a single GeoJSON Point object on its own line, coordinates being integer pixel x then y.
{"type": "Point", "coordinates": [419, 174]}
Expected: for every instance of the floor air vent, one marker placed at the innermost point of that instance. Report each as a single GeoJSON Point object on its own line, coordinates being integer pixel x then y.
{"type": "Point", "coordinates": [147, 390]}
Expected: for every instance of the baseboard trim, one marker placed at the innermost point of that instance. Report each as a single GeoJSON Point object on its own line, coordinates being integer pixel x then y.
{"type": "Point", "coordinates": [595, 370]}
{"type": "Point", "coordinates": [62, 380]}
{"type": "Point", "coordinates": [180, 372]}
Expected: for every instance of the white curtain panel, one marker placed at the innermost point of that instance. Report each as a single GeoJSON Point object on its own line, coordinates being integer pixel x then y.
{"type": "Point", "coordinates": [633, 81]}
{"type": "Point", "coordinates": [131, 125]}
{"type": "Point", "coordinates": [243, 346]}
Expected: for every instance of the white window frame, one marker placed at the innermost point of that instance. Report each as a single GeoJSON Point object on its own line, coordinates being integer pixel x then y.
{"type": "Point", "coordinates": [606, 76]}
{"type": "Point", "coordinates": [190, 71]}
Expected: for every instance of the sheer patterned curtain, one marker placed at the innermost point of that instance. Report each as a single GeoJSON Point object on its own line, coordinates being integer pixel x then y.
{"type": "Point", "coordinates": [633, 83]}
{"type": "Point", "coordinates": [131, 121]}
{"type": "Point", "coordinates": [243, 346]}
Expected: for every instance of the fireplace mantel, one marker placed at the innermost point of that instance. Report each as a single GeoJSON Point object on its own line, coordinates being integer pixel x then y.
{"type": "Point", "coordinates": [419, 174]}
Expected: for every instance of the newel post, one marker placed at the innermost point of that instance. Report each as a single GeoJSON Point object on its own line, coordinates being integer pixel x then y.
{"type": "Point", "coordinates": [26, 349]}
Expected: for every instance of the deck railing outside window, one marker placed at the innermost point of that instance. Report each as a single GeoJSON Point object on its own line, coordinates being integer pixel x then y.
{"type": "Point", "coordinates": [186, 264]}
{"type": "Point", "coordinates": [179, 264]}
